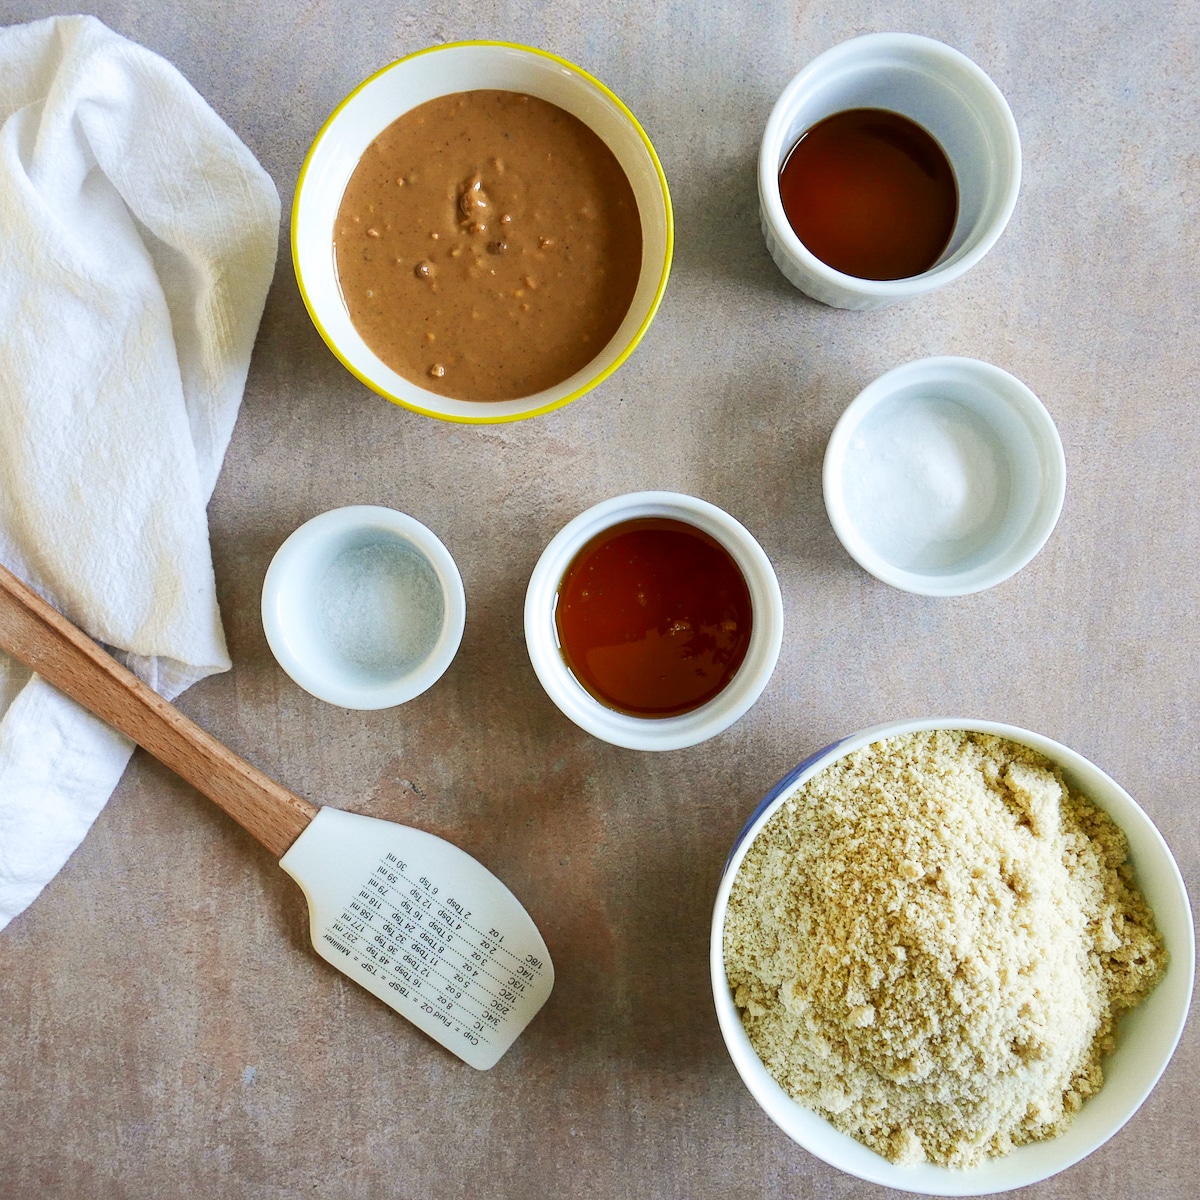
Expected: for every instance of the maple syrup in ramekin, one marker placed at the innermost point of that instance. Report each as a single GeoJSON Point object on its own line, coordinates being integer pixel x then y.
{"type": "Point", "coordinates": [871, 194]}
{"type": "Point", "coordinates": [653, 617]}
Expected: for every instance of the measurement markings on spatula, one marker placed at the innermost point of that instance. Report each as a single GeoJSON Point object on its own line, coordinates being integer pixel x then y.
{"type": "Point", "coordinates": [424, 947]}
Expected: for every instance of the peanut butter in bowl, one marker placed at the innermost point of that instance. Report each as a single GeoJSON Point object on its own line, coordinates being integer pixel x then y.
{"type": "Point", "coordinates": [482, 232]}
{"type": "Point", "coordinates": [488, 245]}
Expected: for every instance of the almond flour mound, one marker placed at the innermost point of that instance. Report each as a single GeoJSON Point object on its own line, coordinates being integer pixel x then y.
{"type": "Point", "coordinates": [930, 944]}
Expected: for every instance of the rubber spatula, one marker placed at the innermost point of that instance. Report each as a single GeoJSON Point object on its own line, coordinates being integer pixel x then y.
{"type": "Point", "coordinates": [416, 921]}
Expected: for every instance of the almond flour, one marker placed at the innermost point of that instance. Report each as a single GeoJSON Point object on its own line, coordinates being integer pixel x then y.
{"type": "Point", "coordinates": [930, 944]}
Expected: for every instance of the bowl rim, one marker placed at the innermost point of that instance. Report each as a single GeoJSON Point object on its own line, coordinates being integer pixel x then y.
{"type": "Point", "coordinates": [883, 290]}
{"type": "Point", "coordinates": [592, 382]}
{"type": "Point", "coordinates": [1037, 419]}
{"type": "Point", "coordinates": [953, 1181]}
{"type": "Point", "coordinates": [654, 733]}
{"type": "Point", "coordinates": [288, 562]}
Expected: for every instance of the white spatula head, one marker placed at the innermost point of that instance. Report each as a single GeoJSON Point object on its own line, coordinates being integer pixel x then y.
{"type": "Point", "coordinates": [426, 928]}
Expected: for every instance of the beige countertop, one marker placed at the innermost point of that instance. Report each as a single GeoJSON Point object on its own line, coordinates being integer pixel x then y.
{"type": "Point", "coordinates": [165, 1029]}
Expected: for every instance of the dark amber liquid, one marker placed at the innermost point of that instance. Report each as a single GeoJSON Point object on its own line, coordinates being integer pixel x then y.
{"type": "Point", "coordinates": [871, 194]}
{"type": "Point", "coordinates": [653, 617]}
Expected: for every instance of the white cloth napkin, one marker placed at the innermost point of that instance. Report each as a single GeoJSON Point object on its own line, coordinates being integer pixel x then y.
{"type": "Point", "coordinates": [137, 242]}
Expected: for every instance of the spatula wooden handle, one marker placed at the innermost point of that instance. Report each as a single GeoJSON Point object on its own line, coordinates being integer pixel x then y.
{"type": "Point", "coordinates": [32, 631]}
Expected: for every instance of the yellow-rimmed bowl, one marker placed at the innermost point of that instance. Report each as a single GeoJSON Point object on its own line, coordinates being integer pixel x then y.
{"type": "Point", "coordinates": [424, 76]}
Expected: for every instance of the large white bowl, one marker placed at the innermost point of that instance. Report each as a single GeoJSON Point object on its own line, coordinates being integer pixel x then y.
{"type": "Point", "coordinates": [1146, 1038]}
{"type": "Point", "coordinates": [440, 71]}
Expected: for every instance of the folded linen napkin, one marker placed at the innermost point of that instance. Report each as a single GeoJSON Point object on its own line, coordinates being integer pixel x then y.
{"type": "Point", "coordinates": [137, 242]}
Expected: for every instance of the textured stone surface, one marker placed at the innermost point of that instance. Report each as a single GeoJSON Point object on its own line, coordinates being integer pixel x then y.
{"type": "Point", "coordinates": [165, 1029]}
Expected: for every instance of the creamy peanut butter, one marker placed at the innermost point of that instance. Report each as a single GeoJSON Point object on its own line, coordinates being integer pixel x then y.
{"type": "Point", "coordinates": [488, 245]}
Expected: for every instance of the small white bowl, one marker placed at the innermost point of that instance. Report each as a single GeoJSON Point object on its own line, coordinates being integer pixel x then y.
{"type": "Point", "coordinates": [944, 92]}
{"type": "Point", "coordinates": [1146, 1037]}
{"type": "Point", "coordinates": [654, 733]}
{"type": "Point", "coordinates": [944, 477]}
{"type": "Point", "coordinates": [444, 70]}
{"type": "Point", "coordinates": [328, 600]}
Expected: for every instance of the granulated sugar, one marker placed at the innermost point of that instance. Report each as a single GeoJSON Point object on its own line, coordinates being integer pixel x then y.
{"type": "Point", "coordinates": [928, 479]}
{"type": "Point", "coordinates": [930, 943]}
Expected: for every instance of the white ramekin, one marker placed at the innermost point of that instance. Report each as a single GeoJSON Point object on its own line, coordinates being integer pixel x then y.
{"type": "Point", "coordinates": [291, 613]}
{"type": "Point", "coordinates": [654, 733]}
{"type": "Point", "coordinates": [1146, 1038]}
{"type": "Point", "coordinates": [943, 91]}
{"type": "Point", "coordinates": [1027, 460]}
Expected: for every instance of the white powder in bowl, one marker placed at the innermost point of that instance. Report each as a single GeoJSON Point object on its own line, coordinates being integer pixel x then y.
{"type": "Point", "coordinates": [381, 607]}
{"type": "Point", "coordinates": [927, 482]}
{"type": "Point", "coordinates": [930, 943]}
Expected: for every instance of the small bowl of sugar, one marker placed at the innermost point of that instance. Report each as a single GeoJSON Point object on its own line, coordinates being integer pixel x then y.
{"type": "Point", "coordinates": [944, 477]}
{"type": "Point", "coordinates": [363, 607]}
